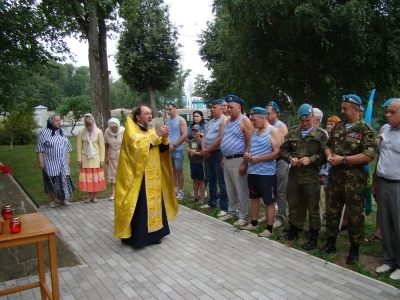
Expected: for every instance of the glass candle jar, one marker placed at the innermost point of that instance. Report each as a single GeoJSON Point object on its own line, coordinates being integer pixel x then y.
{"type": "Point", "coordinates": [15, 225]}
{"type": "Point", "coordinates": [7, 212]}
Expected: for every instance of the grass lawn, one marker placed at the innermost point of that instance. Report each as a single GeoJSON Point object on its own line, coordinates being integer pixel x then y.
{"type": "Point", "coordinates": [23, 162]}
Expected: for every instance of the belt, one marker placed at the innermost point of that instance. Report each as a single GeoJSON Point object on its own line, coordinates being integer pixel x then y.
{"type": "Point", "coordinates": [278, 159]}
{"type": "Point", "coordinates": [349, 167]}
{"type": "Point", "coordinates": [234, 156]}
{"type": "Point", "coordinates": [390, 180]}
{"type": "Point", "coordinates": [215, 151]}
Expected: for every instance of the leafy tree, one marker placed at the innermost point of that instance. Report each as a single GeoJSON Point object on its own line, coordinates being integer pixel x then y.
{"type": "Point", "coordinates": [76, 85]}
{"type": "Point", "coordinates": [200, 86]}
{"type": "Point", "coordinates": [74, 108]}
{"type": "Point", "coordinates": [147, 56]}
{"type": "Point", "coordinates": [122, 95]}
{"type": "Point", "coordinates": [176, 90]}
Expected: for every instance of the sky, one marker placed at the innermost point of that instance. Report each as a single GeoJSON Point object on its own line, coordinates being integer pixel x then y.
{"type": "Point", "coordinates": [190, 16]}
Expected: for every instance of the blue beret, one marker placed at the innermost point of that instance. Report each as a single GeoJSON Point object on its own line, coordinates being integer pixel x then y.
{"type": "Point", "coordinates": [170, 102]}
{"type": "Point", "coordinates": [274, 106]}
{"type": "Point", "coordinates": [351, 98]}
{"type": "Point", "coordinates": [304, 110]}
{"type": "Point", "coordinates": [233, 98]}
{"type": "Point", "coordinates": [387, 103]}
{"type": "Point", "coordinates": [216, 102]}
{"type": "Point", "coordinates": [196, 127]}
{"type": "Point", "coordinates": [258, 110]}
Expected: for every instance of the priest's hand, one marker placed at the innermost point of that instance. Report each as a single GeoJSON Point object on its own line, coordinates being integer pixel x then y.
{"type": "Point", "coordinates": [163, 131]}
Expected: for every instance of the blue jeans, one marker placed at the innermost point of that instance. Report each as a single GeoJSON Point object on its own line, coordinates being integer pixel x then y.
{"type": "Point", "coordinates": [215, 178]}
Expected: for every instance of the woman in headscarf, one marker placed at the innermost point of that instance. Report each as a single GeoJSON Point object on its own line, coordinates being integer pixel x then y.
{"type": "Point", "coordinates": [53, 148]}
{"type": "Point", "coordinates": [113, 139]}
{"type": "Point", "coordinates": [91, 154]}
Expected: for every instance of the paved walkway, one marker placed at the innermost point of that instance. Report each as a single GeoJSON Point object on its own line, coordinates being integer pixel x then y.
{"type": "Point", "coordinates": [203, 258]}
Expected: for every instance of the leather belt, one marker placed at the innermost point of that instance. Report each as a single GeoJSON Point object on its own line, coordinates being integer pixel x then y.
{"type": "Point", "coordinates": [234, 156]}
{"type": "Point", "coordinates": [390, 180]}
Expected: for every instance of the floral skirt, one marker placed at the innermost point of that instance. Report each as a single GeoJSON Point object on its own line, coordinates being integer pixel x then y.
{"type": "Point", "coordinates": [92, 180]}
{"type": "Point", "coordinates": [61, 186]}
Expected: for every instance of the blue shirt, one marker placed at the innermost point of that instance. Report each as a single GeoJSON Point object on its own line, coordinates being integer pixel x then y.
{"type": "Point", "coordinates": [261, 145]}
{"type": "Point", "coordinates": [175, 132]}
{"type": "Point", "coordinates": [233, 141]}
{"type": "Point", "coordinates": [212, 131]}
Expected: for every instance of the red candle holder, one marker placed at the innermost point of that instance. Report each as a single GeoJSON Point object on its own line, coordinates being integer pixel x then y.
{"type": "Point", "coordinates": [7, 212]}
{"type": "Point", "coordinates": [15, 225]}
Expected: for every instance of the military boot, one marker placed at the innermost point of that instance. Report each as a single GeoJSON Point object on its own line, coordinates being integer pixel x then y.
{"type": "Point", "coordinates": [353, 254]}
{"type": "Point", "coordinates": [329, 247]}
{"type": "Point", "coordinates": [293, 234]}
{"type": "Point", "coordinates": [312, 240]}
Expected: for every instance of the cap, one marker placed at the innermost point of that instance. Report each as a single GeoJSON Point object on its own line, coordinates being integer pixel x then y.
{"type": "Point", "coordinates": [258, 110]}
{"type": "Point", "coordinates": [304, 111]}
{"type": "Point", "coordinates": [170, 102]}
{"type": "Point", "coordinates": [196, 127]}
{"type": "Point", "coordinates": [234, 98]}
{"type": "Point", "coordinates": [351, 98]}
{"type": "Point", "coordinates": [274, 106]}
{"type": "Point", "coordinates": [216, 102]}
{"type": "Point", "coordinates": [387, 103]}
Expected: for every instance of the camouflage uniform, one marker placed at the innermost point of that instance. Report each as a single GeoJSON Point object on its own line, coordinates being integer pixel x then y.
{"type": "Point", "coordinates": [347, 183]}
{"type": "Point", "coordinates": [303, 181]}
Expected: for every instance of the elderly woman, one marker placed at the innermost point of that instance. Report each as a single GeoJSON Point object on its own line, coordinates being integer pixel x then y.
{"type": "Point", "coordinates": [53, 148]}
{"type": "Point", "coordinates": [91, 154]}
{"type": "Point", "coordinates": [113, 139]}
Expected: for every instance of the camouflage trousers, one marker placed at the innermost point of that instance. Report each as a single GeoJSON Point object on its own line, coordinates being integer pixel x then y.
{"type": "Point", "coordinates": [346, 187]}
{"type": "Point", "coordinates": [295, 194]}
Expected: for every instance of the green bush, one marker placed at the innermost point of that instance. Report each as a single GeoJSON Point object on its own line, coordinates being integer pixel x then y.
{"type": "Point", "coordinates": [20, 124]}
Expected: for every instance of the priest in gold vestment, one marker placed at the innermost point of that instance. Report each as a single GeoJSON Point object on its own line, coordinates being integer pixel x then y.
{"type": "Point", "coordinates": [145, 199]}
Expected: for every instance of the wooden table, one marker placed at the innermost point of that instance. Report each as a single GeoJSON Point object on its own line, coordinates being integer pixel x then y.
{"type": "Point", "coordinates": [36, 228]}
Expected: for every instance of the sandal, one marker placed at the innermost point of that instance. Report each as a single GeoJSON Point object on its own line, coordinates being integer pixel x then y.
{"type": "Point", "coordinates": [94, 200]}
{"type": "Point", "coordinates": [372, 238]}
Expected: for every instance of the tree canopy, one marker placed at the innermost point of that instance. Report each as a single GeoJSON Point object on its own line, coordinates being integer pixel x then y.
{"type": "Point", "coordinates": [298, 51]}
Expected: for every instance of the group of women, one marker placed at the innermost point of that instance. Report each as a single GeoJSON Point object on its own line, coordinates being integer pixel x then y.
{"type": "Point", "coordinates": [93, 150]}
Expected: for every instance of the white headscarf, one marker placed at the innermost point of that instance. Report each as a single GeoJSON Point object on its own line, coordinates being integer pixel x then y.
{"type": "Point", "coordinates": [90, 138]}
{"type": "Point", "coordinates": [111, 123]}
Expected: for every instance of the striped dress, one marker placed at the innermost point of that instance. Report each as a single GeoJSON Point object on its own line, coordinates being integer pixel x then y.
{"type": "Point", "coordinates": [56, 173]}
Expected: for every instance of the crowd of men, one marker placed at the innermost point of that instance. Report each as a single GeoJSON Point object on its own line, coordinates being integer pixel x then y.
{"type": "Point", "coordinates": [256, 157]}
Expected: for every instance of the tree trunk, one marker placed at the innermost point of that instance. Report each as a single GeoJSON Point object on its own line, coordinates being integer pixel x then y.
{"type": "Point", "coordinates": [105, 82]}
{"type": "Point", "coordinates": [153, 102]}
{"type": "Point", "coordinates": [94, 66]}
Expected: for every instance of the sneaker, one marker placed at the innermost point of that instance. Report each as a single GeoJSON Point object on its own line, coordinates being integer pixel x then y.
{"type": "Point", "coordinates": [206, 206]}
{"type": "Point", "coordinates": [111, 199]}
{"type": "Point", "coordinates": [395, 275]}
{"type": "Point", "coordinates": [65, 202]}
{"type": "Point", "coordinates": [240, 222]}
{"type": "Point", "coordinates": [222, 213]}
{"type": "Point", "coordinates": [277, 223]}
{"type": "Point", "coordinates": [276, 206]}
{"type": "Point", "coordinates": [266, 233]}
{"type": "Point", "coordinates": [262, 220]}
{"type": "Point", "coordinates": [227, 217]}
{"type": "Point", "coordinates": [180, 195]}
{"type": "Point", "coordinates": [52, 204]}
{"type": "Point", "coordinates": [249, 227]}
{"type": "Point", "coordinates": [383, 269]}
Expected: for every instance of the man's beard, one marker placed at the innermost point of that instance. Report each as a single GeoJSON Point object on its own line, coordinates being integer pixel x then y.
{"type": "Point", "coordinates": [146, 124]}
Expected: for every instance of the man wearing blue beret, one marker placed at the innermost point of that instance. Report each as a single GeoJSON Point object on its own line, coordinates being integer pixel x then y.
{"type": "Point", "coordinates": [349, 148]}
{"type": "Point", "coordinates": [234, 144]}
{"type": "Point", "coordinates": [304, 148]}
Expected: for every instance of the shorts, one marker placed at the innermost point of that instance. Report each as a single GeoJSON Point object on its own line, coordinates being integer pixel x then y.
{"type": "Point", "coordinates": [262, 186]}
{"type": "Point", "coordinates": [197, 171]}
{"type": "Point", "coordinates": [177, 158]}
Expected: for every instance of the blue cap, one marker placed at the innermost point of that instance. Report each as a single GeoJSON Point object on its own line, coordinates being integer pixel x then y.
{"type": "Point", "coordinates": [233, 98]}
{"type": "Point", "coordinates": [351, 98]}
{"type": "Point", "coordinates": [258, 110]}
{"type": "Point", "coordinates": [274, 106]}
{"type": "Point", "coordinates": [387, 103]}
{"type": "Point", "coordinates": [196, 127]}
{"type": "Point", "coordinates": [216, 102]}
{"type": "Point", "coordinates": [304, 111]}
{"type": "Point", "coordinates": [170, 102]}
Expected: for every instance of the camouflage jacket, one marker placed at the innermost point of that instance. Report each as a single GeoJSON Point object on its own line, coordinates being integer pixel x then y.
{"type": "Point", "coordinates": [312, 146]}
{"type": "Point", "coordinates": [358, 139]}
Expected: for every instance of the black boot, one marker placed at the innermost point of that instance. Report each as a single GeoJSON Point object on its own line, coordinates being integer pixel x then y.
{"type": "Point", "coordinates": [329, 247]}
{"type": "Point", "coordinates": [353, 255]}
{"type": "Point", "coordinates": [287, 229]}
{"type": "Point", "coordinates": [293, 234]}
{"type": "Point", "coordinates": [312, 240]}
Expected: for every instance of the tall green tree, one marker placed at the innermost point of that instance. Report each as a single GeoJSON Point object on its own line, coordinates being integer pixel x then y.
{"type": "Point", "coordinates": [74, 108]}
{"type": "Point", "coordinates": [200, 86]}
{"type": "Point", "coordinates": [176, 90]}
{"type": "Point", "coordinates": [147, 57]}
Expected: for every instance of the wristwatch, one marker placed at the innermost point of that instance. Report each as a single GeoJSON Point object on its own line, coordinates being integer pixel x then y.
{"type": "Point", "coordinates": [344, 161]}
